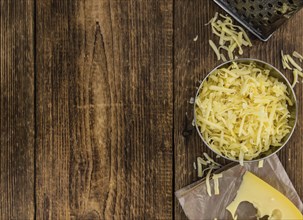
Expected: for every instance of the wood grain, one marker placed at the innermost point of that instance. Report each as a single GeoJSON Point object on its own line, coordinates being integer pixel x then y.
{"type": "Point", "coordinates": [16, 110]}
{"type": "Point", "coordinates": [104, 109]}
{"type": "Point", "coordinates": [194, 59]}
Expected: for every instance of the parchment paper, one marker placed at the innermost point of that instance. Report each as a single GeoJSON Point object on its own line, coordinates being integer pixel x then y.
{"type": "Point", "coordinates": [197, 204]}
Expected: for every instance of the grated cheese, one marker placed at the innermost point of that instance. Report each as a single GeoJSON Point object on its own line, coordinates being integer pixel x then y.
{"type": "Point", "coordinates": [216, 186]}
{"type": "Point", "coordinates": [223, 57]}
{"type": "Point", "coordinates": [217, 176]}
{"type": "Point", "coordinates": [241, 111]}
{"type": "Point", "coordinates": [285, 61]}
{"type": "Point", "coordinates": [208, 189]}
{"type": "Point", "coordinates": [210, 160]}
{"type": "Point", "coordinates": [295, 74]}
{"type": "Point", "coordinates": [260, 164]}
{"type": "Point", "coordinates": [291, 60]}
{"type": "Point", "coordinates": [297, 70]}
{"type": "Point", "coordinates": [214, 47]}
{"type": "Point", "coordinates": [200, 171]}
{"type": "Point", "coordinates": [231, 37]}
{"type": "Point", "coordinates": [297, 55]}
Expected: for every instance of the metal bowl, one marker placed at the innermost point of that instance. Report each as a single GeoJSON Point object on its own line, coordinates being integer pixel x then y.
{"type": "Point", "coordinates": [292, 109]}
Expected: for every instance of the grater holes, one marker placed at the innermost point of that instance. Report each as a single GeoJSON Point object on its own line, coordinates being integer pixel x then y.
{"type": "Point", "coordinates": [269, 5]}
{"type": "Point", "coordinates": [244, 9]}
{"type": "Point", "coordinates": [280, 4]}
{"type": "Point", "coordinates": [244, 1]}
{"type": "Point", "coordinates": [244, 15]}
{"type": "Point", "coordinates": [291, 2]}
{"type": "Point", "coordinates": [262, 23]}
{"type": "Point", "coordinates": [252, 7]}
{"type": "Point", "coordinates": [261, 15]}
{"type": "Point", "coordinates": [279, 12]}
{"type": "Point", "coordinates": [269, 14]}
{"type": "Point", "coordinates": [261, 6]}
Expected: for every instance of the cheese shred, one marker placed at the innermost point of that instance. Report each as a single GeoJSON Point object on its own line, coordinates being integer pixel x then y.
{"type": "Point", "coordinates": [260, 164]}
{"type": "Point", "coordinates": [295, 81]}
{"type": "Point", "coordinates": [215, 49]}
{"type": "Point", "coordinates": [216, 186]}
{"type": "Point", "coordinates": [242, 111]}
{"type": "Point", "coordinates": [208, 188]}
{"type": "Point", "coordinates": [297, 55]}
{"type": "Point", "coordinates": [291, 60]}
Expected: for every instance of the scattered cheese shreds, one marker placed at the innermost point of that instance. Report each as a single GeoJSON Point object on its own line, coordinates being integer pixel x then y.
{"type": "Point", "coordinates": [291, 60]}
{"type": "Point", "coordinates": [241, 108]}
{"type": "Point", "coordinates": [285, 61]}
{"type": "Point", "coordinates": [241, 158]}
{"type": "Point", "coordinates": [208, 189]}
{"type": "Point", "coordinates": [223, 57]}
{"type": "Point", "coordinates": [202, 161]}
{"type": "Point", "coordinates": [195, 167]}
{"type": "Point", "coordinates": [231, 37]}
{"type": "Point", "coordinates": [217, 176]}
{"type": "Point", "coordinates": [215, 49]}
{"type": "Point", "coordinates": [210, 159]}
{"type": "Point", "coordinates": [297, 55]}
{"type": "Point", "coordinates": [297, 70]}
{"type": "Point", "coordinates": [299, 73]}
{"type": "Point", "coordinates": [295, 74]}
{"type": "Point", "coordinates": [209, 164]}
{"type": "Point", "coordinates": [200, 171]}
{"type": "Point", "coordinates": [216, 186]}
{"type": "Point", "coordinates": [260, 164]}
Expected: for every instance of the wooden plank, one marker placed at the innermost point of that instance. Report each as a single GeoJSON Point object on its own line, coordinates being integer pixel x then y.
{"type": "Point", "coordinates": [194, 59]}
{"type": "Point", "coordinates": [16, 110]}
{"type": "Point", "coordinates": [104, 109]}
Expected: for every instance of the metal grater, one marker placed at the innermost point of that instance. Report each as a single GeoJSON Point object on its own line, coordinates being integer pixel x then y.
{"type": "Point", "coordinates": [261, 17]}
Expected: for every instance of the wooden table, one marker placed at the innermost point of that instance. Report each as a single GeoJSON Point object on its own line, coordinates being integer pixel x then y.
{"type": "Point", "coordinates": [94, 105]}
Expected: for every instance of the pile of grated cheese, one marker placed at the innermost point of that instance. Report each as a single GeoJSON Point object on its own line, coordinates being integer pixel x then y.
{"type": "Point", "coordinates": [288, 62]}
{"type": "Point", "coordinates": [210, 165]}
{"type": "Point", "coordinates": [231, 37]}
{"type": "Point", "coordinates": [241, 111]}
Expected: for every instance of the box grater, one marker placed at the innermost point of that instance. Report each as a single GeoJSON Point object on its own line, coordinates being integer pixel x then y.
{"type": "Point", "coordinates": [261, 17]}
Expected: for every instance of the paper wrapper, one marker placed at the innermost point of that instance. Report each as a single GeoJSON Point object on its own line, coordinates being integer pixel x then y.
{"type": "Point", "coordinates": [197, 204]}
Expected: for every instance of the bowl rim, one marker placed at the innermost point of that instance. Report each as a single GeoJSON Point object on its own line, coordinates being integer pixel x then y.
{"type": "Point", "coordinates": [288, 85]}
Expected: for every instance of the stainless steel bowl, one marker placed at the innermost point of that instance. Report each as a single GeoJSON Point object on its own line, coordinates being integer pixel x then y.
{"type": "Point", "coordinates": [292, 109]}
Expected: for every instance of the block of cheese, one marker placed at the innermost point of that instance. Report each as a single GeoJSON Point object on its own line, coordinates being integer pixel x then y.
{"type": "Point", "coordinates": [266, 199]}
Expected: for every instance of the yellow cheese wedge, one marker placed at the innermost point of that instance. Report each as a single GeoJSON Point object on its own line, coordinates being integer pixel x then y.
{"type": "Point", "coordinates": [266, 199]}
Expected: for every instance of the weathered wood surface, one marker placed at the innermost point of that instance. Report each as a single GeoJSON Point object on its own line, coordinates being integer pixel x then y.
{"type": "Point", "coordinates": [104, 109]}
{"type": "Point", "coordinates": [95, 117]}
{"type": "Point", "coordinates": [17, 124]}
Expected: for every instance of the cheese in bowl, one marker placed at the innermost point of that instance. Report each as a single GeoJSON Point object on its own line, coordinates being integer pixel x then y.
{"type": "Point", "coordinates": [245, 110]}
